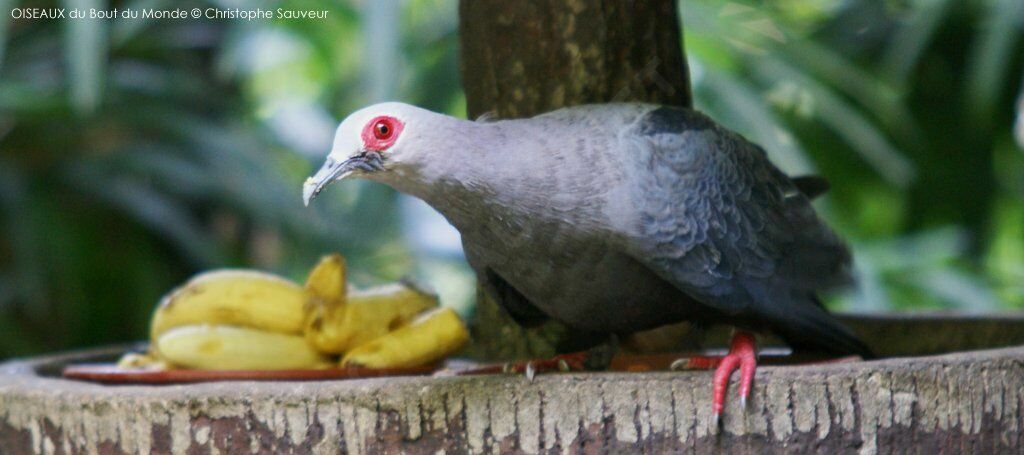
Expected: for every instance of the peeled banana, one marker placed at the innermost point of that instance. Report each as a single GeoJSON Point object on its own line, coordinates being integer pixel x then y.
{"type": "Point", "coordinates": [242, 298]}
{"type": "Point", "coordinates": [335, 326]}
{"type": "Point", "coordinates": [211, 347]}
{"type": "Point", "coordinates": [429, 338]}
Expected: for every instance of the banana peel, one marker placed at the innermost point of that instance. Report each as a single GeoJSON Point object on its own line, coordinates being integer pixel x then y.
{"type": "Point", "coordinates": [336, 326]}
{"type": "Point", "coordinates": [327, 282]}
{"type": "Point", "coordinates": [212, 347]}
{"type": "Point", "coordinates": [242, 298]}
{"type": "Point", "coordinates": [431, 337]}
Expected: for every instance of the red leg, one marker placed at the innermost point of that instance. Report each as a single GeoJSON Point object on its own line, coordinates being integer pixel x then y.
{"type": "Point", "coordinates": [743, 355]}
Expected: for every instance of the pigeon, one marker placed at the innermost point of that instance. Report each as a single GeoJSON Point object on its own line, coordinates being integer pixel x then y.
{"type": "Point", "coordinates": [616, 218]}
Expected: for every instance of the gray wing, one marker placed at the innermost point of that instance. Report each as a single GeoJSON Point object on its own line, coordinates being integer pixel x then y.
{"type": "Point", "coordinates": [722, 224]}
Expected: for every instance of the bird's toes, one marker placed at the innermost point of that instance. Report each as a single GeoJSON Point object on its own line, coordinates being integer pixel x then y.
{"type": "Point", "coordinates": [563, 366]}
{"type": "Point", "coordinates": [530, 371]}
{"type": "Point", "coordinates": [680, 364]}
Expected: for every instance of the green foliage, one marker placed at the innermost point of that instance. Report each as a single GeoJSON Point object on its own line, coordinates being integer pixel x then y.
{"type": "Point", "coordinates": [907, 107]}
{"type": "Point", "coordinates": [135, 153]}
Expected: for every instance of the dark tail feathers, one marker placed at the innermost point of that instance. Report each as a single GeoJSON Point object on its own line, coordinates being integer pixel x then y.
{"type": "Point", "coordinates": [810, 327]}
{"type": "Point", "coordinates": [811, 185]}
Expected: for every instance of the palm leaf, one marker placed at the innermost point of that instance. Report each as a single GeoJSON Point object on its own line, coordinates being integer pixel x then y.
{"type": "Point", "coordinates": [909, 42]}
{"type": "Point", "coordinates": [85, 41]}
{"type": "Point", "coordinates": [845, 120]}
{"type": "Point", "coordinates": [992, 53]}
{"type": "Point", "coordinates": [741, 108]}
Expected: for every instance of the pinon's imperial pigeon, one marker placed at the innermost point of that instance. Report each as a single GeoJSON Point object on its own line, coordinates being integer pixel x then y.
{"type": "Point", "coordinates": [616, 218]}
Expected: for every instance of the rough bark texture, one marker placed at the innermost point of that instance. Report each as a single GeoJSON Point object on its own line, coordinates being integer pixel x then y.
{"type": "Point", "coordinates": [523, 58]}
{"type": "Point", "coordinates": [962, 403]}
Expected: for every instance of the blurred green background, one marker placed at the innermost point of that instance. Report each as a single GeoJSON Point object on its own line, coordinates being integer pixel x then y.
{"type": "Point", "coordinates": [135, 153]}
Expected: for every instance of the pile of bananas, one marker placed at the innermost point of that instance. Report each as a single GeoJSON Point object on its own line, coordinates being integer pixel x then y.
{"type": "Point", "coordinates": [250, 320]}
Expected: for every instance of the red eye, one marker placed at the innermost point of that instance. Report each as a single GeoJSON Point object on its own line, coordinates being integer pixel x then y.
{"type": "Point", "coordinates": [381, 132]}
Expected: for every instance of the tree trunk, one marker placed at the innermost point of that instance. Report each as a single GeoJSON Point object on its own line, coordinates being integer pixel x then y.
{"type": "Point", "coordinates": [970, 402]}
{"type": "Point", "coordinates": [523, 58]}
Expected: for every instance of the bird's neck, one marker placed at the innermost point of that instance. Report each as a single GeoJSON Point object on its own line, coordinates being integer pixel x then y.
{"type": "Point", "coordinates": [458, 168]}
{"type": "Point", "coordinates": [488, 172]}
{"type": "Point", "coordinates": [474, 170]}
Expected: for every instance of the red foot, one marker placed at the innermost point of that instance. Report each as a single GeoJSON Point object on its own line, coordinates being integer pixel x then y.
{"type": "Point", "coordinates": [743, 355]}
{"type": "Point", "coordinates": [564, 362]}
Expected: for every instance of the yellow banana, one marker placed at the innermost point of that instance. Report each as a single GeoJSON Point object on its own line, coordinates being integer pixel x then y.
{"type": "Point", "coordinates": [211, 347]}
{"type": "Point", "coordinates": [242, 319]}
{"type": "Point", "coordinates": [241, 298]}
{"type": "Point", "coordinates": [327, 281]}
{"type": "Point", "coordinates": [427, 339]}
{"type": "Point", "coordinates": [326, 291]}
{"type": "Point", "coordinates": [338, 325]}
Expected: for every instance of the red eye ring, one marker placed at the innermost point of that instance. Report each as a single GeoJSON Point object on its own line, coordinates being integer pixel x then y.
{"type": "Point", "coordinates": [381, 132]}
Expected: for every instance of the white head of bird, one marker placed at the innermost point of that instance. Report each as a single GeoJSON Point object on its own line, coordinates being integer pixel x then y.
{"type": "Point", "coordinates": [383, 142]}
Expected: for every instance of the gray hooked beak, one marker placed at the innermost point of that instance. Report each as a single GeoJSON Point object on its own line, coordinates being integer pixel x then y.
{"type": "Point", "coordinates": [333, 170]}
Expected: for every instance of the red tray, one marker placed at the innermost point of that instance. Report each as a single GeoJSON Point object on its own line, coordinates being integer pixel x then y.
{"type": "Point", "coordinates": [109, 373]}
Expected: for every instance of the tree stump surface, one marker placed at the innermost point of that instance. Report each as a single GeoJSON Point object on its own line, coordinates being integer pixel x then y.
{"type": "Point", "coordinates": [962, 402]}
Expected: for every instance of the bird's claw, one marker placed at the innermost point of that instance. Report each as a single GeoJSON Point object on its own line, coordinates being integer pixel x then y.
{"type": "Point", "coordinates": [680, 364]}
{"type": "Point", "coordinates": [716, 415]}
{"type": "Point", "coordinates": [527, 369]}
{"type": "Point", "coordinates": [742, 355]}
{"type": "Point", "coordinates": [560, 363]}
{"type": "Point", "coordinates": [563, 366]}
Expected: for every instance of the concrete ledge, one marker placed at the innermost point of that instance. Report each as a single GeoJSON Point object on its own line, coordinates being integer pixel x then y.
{"type": "Point", "coordinates": [964, 402]}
